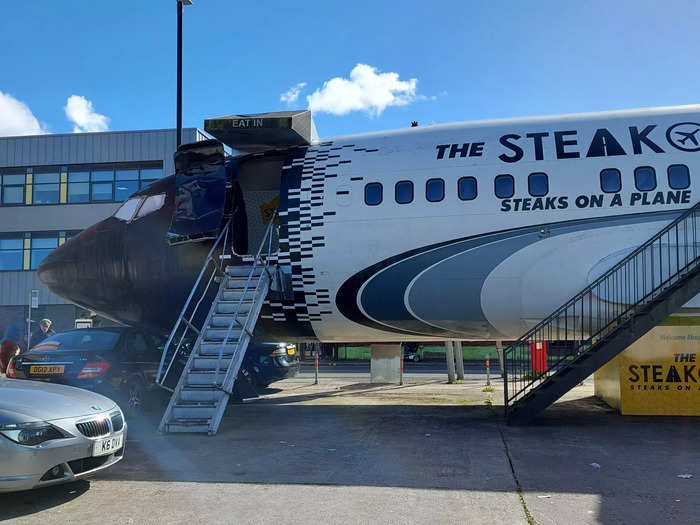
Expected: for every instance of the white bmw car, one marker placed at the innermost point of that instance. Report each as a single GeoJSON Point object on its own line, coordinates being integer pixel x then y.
{"type": "Point", "coordinates": [53, 433]}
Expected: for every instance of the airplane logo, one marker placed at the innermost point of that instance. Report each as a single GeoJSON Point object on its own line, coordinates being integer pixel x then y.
{"type": "Point", "coordinates": [684, 136]}
{"type": "Point", "coordinates": [688, 136]}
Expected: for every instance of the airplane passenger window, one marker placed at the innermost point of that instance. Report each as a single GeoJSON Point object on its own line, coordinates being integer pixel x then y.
{"type": "Point", "coordinates": [403, 192]}
{"type": "Point", "coordinates": [126, 211]}
{"type": "Point", "coordinates": [435, 190]}
{"type": "Point", "coordinates": [373, 194]}
{"type": "Point", "coordinates": [610, 180]}
{"type": "Point", "coordinates": [151, 204]}
{"type": "Point", "coordinates": [538, 184]}
{"type": "Point", "coordinates": [504, 186]}
{"type": "Point", "coordinates": [645, 178]}
{"type": "Point", "coordinates": [678, 176]}
{"type": "Point", "coordinates": [466, 188]}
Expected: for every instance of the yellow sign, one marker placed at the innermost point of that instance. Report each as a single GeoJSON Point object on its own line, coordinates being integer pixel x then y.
{"type": "Point", "coordinates": [268, 208]}
{"type": "Point", "coordinates": [658, 375]}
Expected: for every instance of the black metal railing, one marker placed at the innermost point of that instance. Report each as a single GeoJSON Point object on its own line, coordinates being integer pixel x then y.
{"type": "Point", "coordinates": [598, 310]}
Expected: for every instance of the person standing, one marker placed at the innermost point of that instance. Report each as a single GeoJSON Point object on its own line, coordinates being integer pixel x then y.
{"type": "Point", "coordinates": [8, 346]}
{"type": "Point", "coordinates": [43, 332]}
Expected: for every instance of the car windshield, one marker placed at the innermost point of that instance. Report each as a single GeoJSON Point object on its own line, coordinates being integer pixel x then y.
{"type": "Point", "coordinates": [80, 340]}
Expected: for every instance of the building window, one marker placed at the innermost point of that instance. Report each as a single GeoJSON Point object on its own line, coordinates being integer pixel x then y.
{"type": "Point", "coordinates": [504, 186]}
{"type": "Point", "coordinates": [46, 189]}
{"type": "Point", "coordinates": [435, 190]}
{"type": "Point", "coordinates": [78, 186]}
{"type": "Point", "coordinates": [403, 192]}
{"type": "Point", "coordinates": [148, 175]}
{"type": "Point", "coordinates": [11, 254]}
{"type": "Point", "coordinates": [373, 194]}
{"type": "Point", "coordinates": [610, 180]}
{"type": "Point", "coordinates": [102, 185]}
{"type": "Point", "coordinates": [12, 188]}
{"type": "Point", "coordinates": [645, 178]}
{"type": "Point", "coordinates": [678, 176]}
{"type": "Point", "coordinates": [466, 188]}
{"type": "Point", "coordinates": [41, 247]}
{"type": "Point", "coordinates": [127, 183]}
{"type": "Point", "coordinates": [538, 184]}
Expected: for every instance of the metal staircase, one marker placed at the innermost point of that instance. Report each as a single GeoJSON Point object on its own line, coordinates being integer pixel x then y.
{"type": "Point", "coordinates": [214, 351]}
{"type": "Point", "coordinates": [619, 307]}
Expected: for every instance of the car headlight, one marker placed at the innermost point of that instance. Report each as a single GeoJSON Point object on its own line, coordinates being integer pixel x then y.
{"type": "Point", "coordinates": [31, 433]}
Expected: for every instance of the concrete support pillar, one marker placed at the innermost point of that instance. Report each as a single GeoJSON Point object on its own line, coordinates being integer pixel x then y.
{"type": "Point", "coordinates": [459, 359]}
{"type": "Point", "coordinates": [501, 364]}
{"type": "Point", "coordinates": [385, 363]}
{"type": "Point", "coordinates": [450, 358]}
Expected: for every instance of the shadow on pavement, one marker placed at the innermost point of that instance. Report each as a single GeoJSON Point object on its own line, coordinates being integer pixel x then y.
{"type": "Point", "coordinates": [25, 503]}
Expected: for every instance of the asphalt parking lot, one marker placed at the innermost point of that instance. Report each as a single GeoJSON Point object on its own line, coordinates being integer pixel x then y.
{"type": "Point", "coordinates": [424, 452]}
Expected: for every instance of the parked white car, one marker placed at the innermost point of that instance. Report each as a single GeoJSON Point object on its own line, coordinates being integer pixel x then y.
{"type": "Point", "coordinates": [53, 434]}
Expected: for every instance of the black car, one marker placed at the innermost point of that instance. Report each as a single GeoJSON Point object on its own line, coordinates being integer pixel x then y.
{"type": "Point", "coordinates": [117, 362]}
{"type": "Point", "coordinates": [270, 362]}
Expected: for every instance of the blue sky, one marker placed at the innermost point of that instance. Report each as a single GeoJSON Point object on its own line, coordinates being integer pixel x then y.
{"type": "Point", "coordinates": [471, 60]}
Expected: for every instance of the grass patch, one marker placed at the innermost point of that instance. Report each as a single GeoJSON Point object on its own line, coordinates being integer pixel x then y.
{"type": "Point", "coordinates": [489, 407]}
{"type": "Point", "coordinates": [531, 376]}
{"type": "Point", "coordinates": [487, 389]}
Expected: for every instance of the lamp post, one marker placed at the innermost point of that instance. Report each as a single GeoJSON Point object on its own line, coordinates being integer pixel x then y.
{"type": "Point", "coordinates": [180, 3]}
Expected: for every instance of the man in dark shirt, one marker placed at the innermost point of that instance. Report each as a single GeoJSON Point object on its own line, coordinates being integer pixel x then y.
{"type": "Point", "coordinates": [44, 331]}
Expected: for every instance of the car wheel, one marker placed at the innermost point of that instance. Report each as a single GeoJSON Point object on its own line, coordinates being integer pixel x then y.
{"type": "Point", "coordinates": [136, 393]}
{"type": "Point", "coordinates": [416, 358]}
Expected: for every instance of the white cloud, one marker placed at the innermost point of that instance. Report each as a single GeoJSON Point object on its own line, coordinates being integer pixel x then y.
{"type": "Point", "coordinates": [17, 119]}
{"type": "Point", "coordinates": [80, 112]}
{"type": "Point", "coordinates": [292, 94]}
{"type": "Point", "coordinates": [366, 90]}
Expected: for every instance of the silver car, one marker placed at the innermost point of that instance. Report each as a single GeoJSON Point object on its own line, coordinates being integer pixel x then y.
{"type": "Point", "coordinates": [53, 433]}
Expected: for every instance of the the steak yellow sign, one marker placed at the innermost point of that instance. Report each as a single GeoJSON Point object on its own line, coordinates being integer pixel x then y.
{"type": "Point", "coordinates": [657, 375]}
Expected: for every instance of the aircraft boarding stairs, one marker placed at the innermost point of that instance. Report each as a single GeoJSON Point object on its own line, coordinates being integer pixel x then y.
{"type": "Point", "coordinates": [605, 318]}
{"type": "Point", "coordinates": [198, 401]}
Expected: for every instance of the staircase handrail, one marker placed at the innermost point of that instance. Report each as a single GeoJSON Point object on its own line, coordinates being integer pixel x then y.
{"type": "Point", "coordinates": [267, 239]}
{"type": "Point", "coordinates": [182, 316]}
{"type": "Point", "coordinates": [571, 303]}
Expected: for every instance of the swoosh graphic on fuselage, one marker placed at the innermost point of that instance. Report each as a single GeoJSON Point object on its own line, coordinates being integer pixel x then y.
{"type": "Point", "coordinates": [377, 296]}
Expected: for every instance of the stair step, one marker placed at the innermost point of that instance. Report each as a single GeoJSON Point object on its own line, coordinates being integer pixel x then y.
{"type": "Point", "coordinates": [193, 411]}
{"type": "Point", "coordinates": [225, 320]}
{"type": "Point", "coordinates": [218, 334]}
{"type": "Point", "coordinates": [204, 378]}
{"type": "Point", "coordinates": [235, 295]}
{"type": "Point", "coordinates": [193, 393]}
{"type": "Point", "coordinates": [238, 283]}
{"type": "Point", "coordinates": [212, 348]}
{"type": "Point", "coordinates": [210, 362]}
{"type": "Point", "coordinates": [243, 271]}
{"type": "Point", "coordinates": [188, 425]}
{"type": "Point", "coordinates": [229, 307]}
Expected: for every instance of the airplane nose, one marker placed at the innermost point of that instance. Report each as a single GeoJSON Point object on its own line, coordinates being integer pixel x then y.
{"type": "Point", "coordinates": [89, 268]}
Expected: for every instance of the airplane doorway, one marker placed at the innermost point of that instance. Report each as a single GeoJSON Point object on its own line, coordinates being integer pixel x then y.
{"type": "Point", "coordinates": [260, 178]}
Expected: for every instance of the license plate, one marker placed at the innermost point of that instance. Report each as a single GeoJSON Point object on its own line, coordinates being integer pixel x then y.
{"type": "Point", "coordinates": [291, 351]}
{"type": "Point", "coordinates": [105, 446]}
{"type": "Point", "coordinates": [47, 369]}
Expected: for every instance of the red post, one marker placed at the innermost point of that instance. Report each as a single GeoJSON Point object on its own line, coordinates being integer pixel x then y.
{"type": "Point", "coordinates": [401, 371]}
{"type": "Point", "coordinates": [316, 369]}
{"type": "Point", "coordinates": [488, 370]}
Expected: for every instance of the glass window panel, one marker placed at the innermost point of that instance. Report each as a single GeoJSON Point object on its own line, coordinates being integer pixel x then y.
{"type": "Point", "coordinates": [151, 204]}
{"type": "Point", "coordinates": [124, 189]}
{"type": "Point", "coordinates": [127, 210]}
{"type": "Point", "coordinates": [128, 174]}
{"type": "Point", "coordinates": [46, 194]}
{"type": "Point", "coordinates": [645, 178]}
{"type": "Point", "coordinates": [537, 184]}
{"type": "Point", "coordinates": [78, 192]}
{"type": "Point", "coordinates": [504, 186]}
{"type": "Point", "coordinates": [11, 259]}
{"type": "Point", "coordinates": [38, 256]}
{"type": "Point", "coordinates": [678, 176]}
{"type": "Point", "coordinates": [466, 188]}
{"type": "Point", "coordinates": [610, 180]}
{"type": "Point", "coordinates": [79, 176]}
{"type": "Point", "coordinates": [13, 195]}
{"type": "Point", "coordinates": [102, 191]}
{"type": "Point", "coordinates": [10, 244]}
{"type": "Point", "coordinates": [102, 175]}
{"type": "Point", "coordinates": [435, 190]}
{"type": "Point", "coordinates": [373, 194]}
{"type": "Point", "coordinates": [404, 192]}
{"type": "Point", "coordinates": [13, 179]}
{"type": "Point", "coordinates": [41, 178]}
{"type": "Point", "coordinates": [41, 247]}
{"type": "Point", "coordinates": [44, 242]}
{"type": "Point", "coordinates": [151, 173]}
